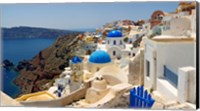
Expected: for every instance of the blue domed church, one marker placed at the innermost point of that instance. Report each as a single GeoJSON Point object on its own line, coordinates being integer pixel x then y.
{"type": "Point", "coordinates": [115, 43]}
{"type": "Point", "coordinates": [76, 75]}
{"type": "Point", "coordinates": [97, 60]}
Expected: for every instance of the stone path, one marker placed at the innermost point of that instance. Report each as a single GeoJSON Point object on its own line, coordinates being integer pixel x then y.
{"type": "Point", "coordinates": [162, 103]}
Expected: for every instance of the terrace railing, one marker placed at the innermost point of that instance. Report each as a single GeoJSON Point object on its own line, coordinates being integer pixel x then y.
{"type": "Point", "coordinates": [140, 98]}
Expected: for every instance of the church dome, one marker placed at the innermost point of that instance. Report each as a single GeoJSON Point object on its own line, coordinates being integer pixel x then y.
{"type": "Point", "coordinates": [114, 33]}
{"type": "Point", "coordinates": [76, 60]}
{"type": "Point", "coordinates": [99, 57]}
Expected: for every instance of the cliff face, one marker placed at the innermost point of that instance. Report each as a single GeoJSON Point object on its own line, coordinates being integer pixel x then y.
{"type": "Point", "coordinates": [40, 72]}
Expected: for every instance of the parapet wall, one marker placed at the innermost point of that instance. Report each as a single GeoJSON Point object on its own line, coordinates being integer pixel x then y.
{"type": "Point", "coordinates": [5, 100]}
{"type": "Point", "coordinates": [63, 101]}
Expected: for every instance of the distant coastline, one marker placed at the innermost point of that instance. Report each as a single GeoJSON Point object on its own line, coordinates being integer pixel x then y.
{"type": "Point", "coordinates": [22, 32]}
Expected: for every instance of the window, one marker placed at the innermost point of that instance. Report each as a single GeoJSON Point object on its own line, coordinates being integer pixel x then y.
{"type": "Point", "coordinates": [133, 54]}
{"type": "Point", "coordinates": [114, 53]}
{"type": "Point", "coordinates": [108, 42]}
{"type": "Point", "coordinates": [171, 76]}
{"type": "Point", "coordinates": [120, 42]}
{"type": "Point", "coordinates": [163, 28]}
{"type": "Point", "coordinates": [114, 42]}
{"type": "Point", "coordinates": [168, 28]}
{"type": "Point", "coordinates": [147, 68]}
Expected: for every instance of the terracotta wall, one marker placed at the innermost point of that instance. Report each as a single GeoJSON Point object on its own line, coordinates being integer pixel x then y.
{"type": "Point", "coordinates": [154, 21]}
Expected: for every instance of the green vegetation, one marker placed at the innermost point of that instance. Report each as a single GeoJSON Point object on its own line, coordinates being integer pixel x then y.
{"type": "Point", "coordinates": [126, 39]}
{"type": "Point", "coordinates": [151, 90]}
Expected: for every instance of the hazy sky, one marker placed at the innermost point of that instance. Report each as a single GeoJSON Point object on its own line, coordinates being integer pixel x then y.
{"type": "Point", "coordinates": [78, 15]}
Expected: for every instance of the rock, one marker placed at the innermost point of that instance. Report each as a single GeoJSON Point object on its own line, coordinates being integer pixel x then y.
{"type": "Point", "coordinates": [62, 67]}
{"type": "Point", "coordinates": [8, 65]}
{"type": "Point", "coordinates": [31, 68]}
{"type": "Point", "coordinates": [22, 64]}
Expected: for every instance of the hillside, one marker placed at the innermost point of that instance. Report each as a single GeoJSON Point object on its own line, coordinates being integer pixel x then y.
{"type": "Point", "coordinates": [39, 73]}
{"type": "Point", "coordinates": [32, 32]}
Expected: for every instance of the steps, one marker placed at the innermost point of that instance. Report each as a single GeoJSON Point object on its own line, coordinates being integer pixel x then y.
{"type": "Point", "coordinates": [162, 103]}
{"type": "Point", "coordinates": [179, 106]}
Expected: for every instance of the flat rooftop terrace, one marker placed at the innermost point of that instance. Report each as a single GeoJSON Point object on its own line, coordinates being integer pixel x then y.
{"type": "Point", "coordinates": [173, 39]}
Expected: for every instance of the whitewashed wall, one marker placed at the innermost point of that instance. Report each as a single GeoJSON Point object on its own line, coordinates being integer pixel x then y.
{"type": "Point", "coordinates": [111, 40]}
{"type": "Point", "coordinates": [178, 27]}
{"type": "Point", "coordinates": [149, 53]}
{"type": "Point", "coordinates": [174, 55]}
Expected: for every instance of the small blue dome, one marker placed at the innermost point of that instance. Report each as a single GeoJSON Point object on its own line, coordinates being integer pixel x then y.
{"type": "Point", "coordinates": [76, 60]}
{"type": "Point", "coordinates": [114, 33]}
{"type": "Point", "coordinates": [99, 57]}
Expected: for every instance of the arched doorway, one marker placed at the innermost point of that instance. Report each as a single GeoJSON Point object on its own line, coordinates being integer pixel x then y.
{"type": "Point", "coordinates": [114, 53]}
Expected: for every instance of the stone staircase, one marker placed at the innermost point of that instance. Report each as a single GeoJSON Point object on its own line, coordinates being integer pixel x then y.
{"type": "Point", "coordinates": [162, 103]}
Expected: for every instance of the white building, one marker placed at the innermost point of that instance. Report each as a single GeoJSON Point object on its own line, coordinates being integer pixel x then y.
{"type": "Point", "coordinates": [135, 35]}
{"type": "Point", "coordinates": [115, 43]}
{"type": "Point", "coordinates": [180, 24]}
{"type": "Point", "coordinates": [90, 46]}
{"type": "Point", "coordinates": [193, 23]}
{"type": "Point", "coordinates": [177, 26]}
{"type": "Point", "coordinates": [164, 60]}
{"type": "Point", "coordinates": [116, 47]}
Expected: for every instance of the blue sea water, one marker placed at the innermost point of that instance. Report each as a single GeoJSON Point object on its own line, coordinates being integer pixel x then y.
{"type": "Point", "coordinates": [16, 50]}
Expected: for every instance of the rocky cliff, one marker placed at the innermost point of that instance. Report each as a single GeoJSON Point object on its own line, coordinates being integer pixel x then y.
{"type": "Point", "coordinates": [40, 72]}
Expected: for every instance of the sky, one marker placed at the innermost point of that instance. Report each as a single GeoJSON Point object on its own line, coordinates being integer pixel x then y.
{"type": "Point", "coordinates": [78, 15]}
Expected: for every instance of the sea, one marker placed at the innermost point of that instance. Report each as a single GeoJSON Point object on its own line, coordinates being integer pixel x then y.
{"type": "Point", "coordinates": [16, 50]}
